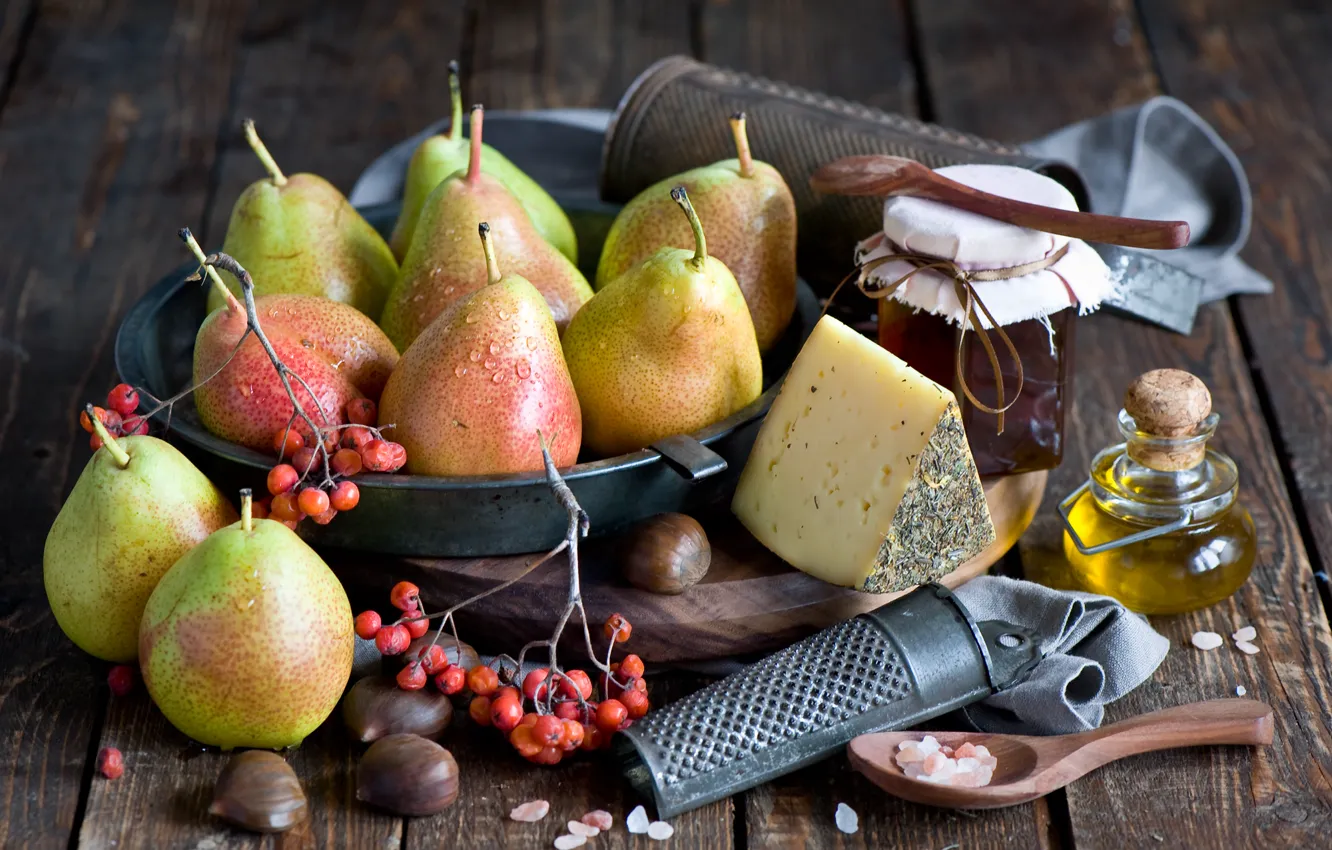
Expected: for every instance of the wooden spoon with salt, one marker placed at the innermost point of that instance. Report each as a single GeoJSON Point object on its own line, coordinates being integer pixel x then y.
{"type": "Point", "coordinates": [1031, 767]}
{"type": "Point", "coordinates": [895, 175]}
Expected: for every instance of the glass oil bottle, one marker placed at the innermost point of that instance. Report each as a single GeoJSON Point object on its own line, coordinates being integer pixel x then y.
{"type": "Point", "coordinates": [1158, 524]}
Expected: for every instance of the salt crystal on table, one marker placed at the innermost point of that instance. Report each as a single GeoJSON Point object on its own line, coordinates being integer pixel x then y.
{"type": "Point", "coordinates": [1247, 633]}
{"type": "Point", "coordinates": [600, 818]}
{"type": "Point", "coordinates": [846, 818]}
{"type": "Point", "coordinates": [577, 827]}
{"type": "Point", "coordinates": [530, 812]}
{"type": "Point", "coordinates": [1247, 648]}
{"type": "Point", "coordinates": [569, 842]}
{"type": "Point", "coordinates": [1207, 640]}
{"type": "Point", "coordinates": [1240, 691]}
{"type": "Point", "coordinates": [637, 822]}
{"type": "Point", "coordinates": [660, 830]}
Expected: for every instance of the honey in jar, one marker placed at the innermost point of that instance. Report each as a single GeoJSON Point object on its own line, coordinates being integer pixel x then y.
{"type": "Point", "coordinates": [1159, 525]}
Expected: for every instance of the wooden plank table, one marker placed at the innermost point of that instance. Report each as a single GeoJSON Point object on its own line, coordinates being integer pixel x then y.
{"type": "Point", "coordinates": [118, 125]}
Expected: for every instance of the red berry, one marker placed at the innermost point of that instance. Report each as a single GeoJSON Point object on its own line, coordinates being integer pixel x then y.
{"type": "Point", "coordinates": [110, 763]}
{"type": "Point", "coordinates": [482, 681]}
{"type": "Point", "coordinates": [433, 658]}
{"type": "Point", "coordinates": [631, 665]}
{"type": "Point", "coordinates": [134, 426]}
{"type": "Point", "coordinates": [393, 640]}
{"type": "Point", "coordinates": [123, 399]}
{"type": "Point", "coordinates": [304, 460]}
{"type": "Point", "coordinates": [479, 709]}
{"type": "Point", "coordinates": [326, 517]}
{"type": "Point", "coordinates": [397, 456]}
{"type": "Point", "coordinates": [522, 741]}
{"type": "Point", "coordinates": [549, 731]}
{"type": "Point", "coordinates": [286, 442]}
{"type": "Point", "coordinates": [290, 523]}
{"type": "Point", "coordinates": [110, 418]}
{"type": "Point", "coordinates": [121, 679]}
{"type": "Point", "coordinates": [345, 495]}
{"type": "Point", "coordinates": [529, 719]}
{"type": "Point", "coordinates": [346, 462]}
{"type": "Point", "coordinates": [417, 626]}
{"type": "Point", "coordinates": [405, 596]}
{"type": "Point", "coordinates": [282, 478]}
{"type": "Point", "coordinates": [356, 438]}
{"type": "Point", "coordinates": [573, 736]}
{"type": "Point", "coordinates": [312, 501]}
{"type": "Point", "coordinates": [533, 688]}
{"type": "Point", "coordinates": [284, 508]}
{"type": "Point", "coordinates": [259, 510]}
{"type": "Point", "coordinates": [451, 680]}
{"type": "Point", "coordinates": [361, 411]}
{"type": "Point", "coordinates": [635, 702]}
{"type": "Point", "coordinates": [568, 710]}
{"type": "Point", "coordinates": [412, 677]}
{"type": "Point", "coordinates": [367, 624]}
{"type": "Point", "coordinates": [505, 714]}
{"type": "Point", "coordinates": [331, 441]}
{"type": "Point", "coordinates": [592, 736]}
{"type": "Point", "coordinates": [548, 756]}
{"type": "Point", "coordinates": [509, 692]}
{"type": "Point", "coordinates": [377, 456]}
{"type": "Point", "coordinates": [575, 680]}
{"type": "Point", "coordinates": [617, 628]}
{"type": "Point", "coordinates": [95, 442]}
{"type": "Point", "coordinates": [610, 714]}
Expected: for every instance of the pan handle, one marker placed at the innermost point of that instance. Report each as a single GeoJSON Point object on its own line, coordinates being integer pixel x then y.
{"type": "Point", "coordinates": [690, 458]}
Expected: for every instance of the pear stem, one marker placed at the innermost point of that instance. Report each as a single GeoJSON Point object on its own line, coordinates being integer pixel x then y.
{"type": "Point", "coordinates": [742, 145]}
{"type": "Point", "coordinates": [247, 510]}
{"type": "Point", "coordinates": [474, 160]}
{"type": "Point", "coordinates": [492, 265]}
{"type": "Point", "coordinates": [681, 197]}
{"type": "Point", "coordinates": [117, 451]}
{"type": "Point", "coordinates": [455, 103]}
{"type": "Point", "coordinates": [187, 237]}
{"type": "Point", "coordinates": [252, 136]}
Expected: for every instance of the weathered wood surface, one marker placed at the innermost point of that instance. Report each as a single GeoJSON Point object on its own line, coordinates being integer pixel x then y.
{"type": "Point", "coordinates": [118, 124]}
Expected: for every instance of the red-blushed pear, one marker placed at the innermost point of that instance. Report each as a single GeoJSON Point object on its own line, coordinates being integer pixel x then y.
{"type": "Point", "coordinates": [339, 353]}
{"type": "Point", "coordinates": [470, 395]}
{"type": "Point", "coordinates": [247, 640]}
{"type": "Point", "coordinates": [137, 507]}
{"type": "Point", "coordinates": [442, 265]}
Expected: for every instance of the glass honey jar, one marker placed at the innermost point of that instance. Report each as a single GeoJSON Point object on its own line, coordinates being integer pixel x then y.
{"type": "Point", "coordinates": [1158, 525]}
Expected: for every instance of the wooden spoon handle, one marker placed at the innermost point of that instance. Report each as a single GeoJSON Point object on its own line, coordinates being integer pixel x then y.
{"type": "Point", "coordinates": [871, 175]}
{"type": "Point", "coordinates": [1218, 721]}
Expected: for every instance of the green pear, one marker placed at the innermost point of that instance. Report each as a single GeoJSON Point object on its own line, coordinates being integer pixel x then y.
{"type": "Point", "coordinates": [441, 155]}
{"type": "Point", "coordinates": [137, 507]}
{"type": "Point", "coordinates": [443, 266]}
{"type": "Point", "coordinates": [666, 348]}
{"type": "Point", "coordinates": [470, 395]}
{"type": "Point", "coordinates": [297, 234]}
{"type": "Point", "coordinates": [247, 640]}
{"type": "Point", "coordinates": [751, 228]}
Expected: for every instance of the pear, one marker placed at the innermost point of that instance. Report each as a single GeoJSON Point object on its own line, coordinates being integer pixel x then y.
{"type": "Point", "coordinates": [439, 156]}
{"type": "Point", "coordinates": [137, 507]}
{"type": "Point", "coordinates": [299, 235]}
{"type": "Point", "coordinates": [751, 228]}
{"type": "Point", "coordinates": [337, 350]}
{"type": "Point", "coordinates": [443, 265]}
{"type": "Point", "coordinates": [666, 348]}
{"type": "Point", "coordinates": [470, 395]}
{"type": "Point", "coordinates": [247, 640]}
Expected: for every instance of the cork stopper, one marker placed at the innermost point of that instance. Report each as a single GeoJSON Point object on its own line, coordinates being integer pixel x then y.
{"type": "Point", "coordinates": [1170, 404]}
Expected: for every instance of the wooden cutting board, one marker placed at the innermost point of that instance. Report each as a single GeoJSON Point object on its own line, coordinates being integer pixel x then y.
{"type": "Point", "coordinates": [750, 601]}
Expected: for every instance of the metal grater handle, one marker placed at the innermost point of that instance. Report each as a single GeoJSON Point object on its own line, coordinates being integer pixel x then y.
{"type": "Point", "coordinates": [917, 657]}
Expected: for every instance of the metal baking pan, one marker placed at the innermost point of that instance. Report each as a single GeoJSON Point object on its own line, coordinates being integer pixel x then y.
{"type": "Point", "coordinates": [467, 516]}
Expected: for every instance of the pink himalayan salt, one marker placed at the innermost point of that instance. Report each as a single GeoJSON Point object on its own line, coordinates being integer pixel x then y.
{"type": "Point", "coordinates": [530, 812]}
{"type": "Point", "coordinates": [600, 818]}
{"type": "Point", "coordinates": [968, 766]}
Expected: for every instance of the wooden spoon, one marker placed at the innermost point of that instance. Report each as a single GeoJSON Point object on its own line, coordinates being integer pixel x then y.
{"type": "Point", "coordinates": [1031, 767]}
{"type": "Point", "coordinates": [895, 175]}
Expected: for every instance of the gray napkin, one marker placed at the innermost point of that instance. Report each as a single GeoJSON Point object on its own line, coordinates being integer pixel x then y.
{"type": "Point", "coordinates": [1161, 160]}
{"type": "Point", "coordinates": [1094, 652]}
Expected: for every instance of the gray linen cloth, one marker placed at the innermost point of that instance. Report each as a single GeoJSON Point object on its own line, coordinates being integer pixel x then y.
{"type": "Point", "coordinates": [1094, 651]}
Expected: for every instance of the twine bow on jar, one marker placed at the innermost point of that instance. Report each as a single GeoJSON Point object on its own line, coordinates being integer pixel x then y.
{"type": "Point", "coordinates": [964, 281]}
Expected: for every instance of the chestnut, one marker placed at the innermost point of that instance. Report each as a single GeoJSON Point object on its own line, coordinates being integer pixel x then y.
{"type": "Point", "coordinates": [665, 554]}
{"type": "Point", "coordinates": [259, 791]}
{"type": "Point", "coordinates": [375, 706]}
{"type": "Point", "coordinates": [407, 775]}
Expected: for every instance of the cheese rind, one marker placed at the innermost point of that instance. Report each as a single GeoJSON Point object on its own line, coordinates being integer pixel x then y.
{"type": "Point", "coordinates": [861, 474]}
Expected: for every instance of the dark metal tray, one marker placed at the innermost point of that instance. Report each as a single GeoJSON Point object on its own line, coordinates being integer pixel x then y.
{"type": "Point", "coordinates": [471, 515]}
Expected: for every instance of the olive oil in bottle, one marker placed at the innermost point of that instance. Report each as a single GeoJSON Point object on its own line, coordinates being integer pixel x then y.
{"type": "Point", "coordinates": [1158, 525]}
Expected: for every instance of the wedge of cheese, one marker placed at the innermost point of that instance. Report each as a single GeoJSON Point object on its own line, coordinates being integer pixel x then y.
{"type": "Point", "coordinates": [861, 474]}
